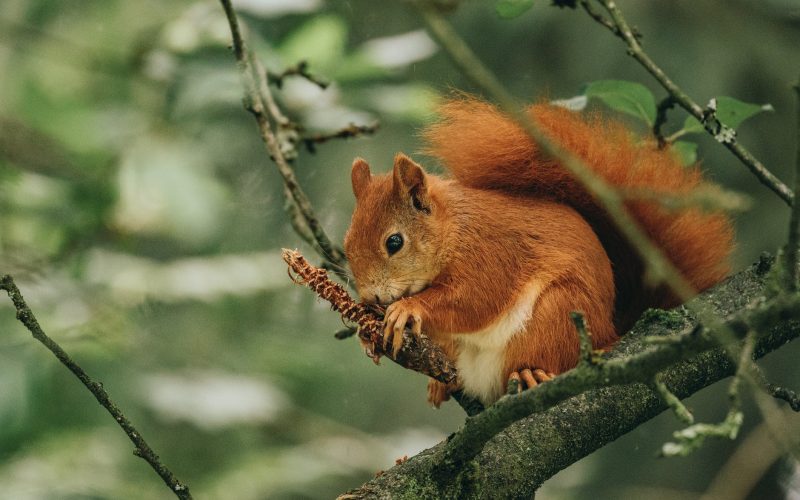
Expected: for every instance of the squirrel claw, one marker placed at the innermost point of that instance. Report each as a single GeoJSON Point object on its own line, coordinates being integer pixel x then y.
{"type": "Point", "coordinates": [528, 378]}
{"type": "Point", "coordinates": [398, 315]}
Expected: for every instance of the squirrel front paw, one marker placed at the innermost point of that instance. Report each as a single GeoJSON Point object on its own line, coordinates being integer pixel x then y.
{"type": "Point", "coordinates": [398, 314]}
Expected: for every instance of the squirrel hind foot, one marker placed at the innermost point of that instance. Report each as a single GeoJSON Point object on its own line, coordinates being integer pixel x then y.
{"type": "Point", "coordinates": [527, 378]}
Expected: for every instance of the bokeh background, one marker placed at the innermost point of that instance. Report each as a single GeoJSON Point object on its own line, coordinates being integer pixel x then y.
{"type": "Point", "coordinates": [143, 221]}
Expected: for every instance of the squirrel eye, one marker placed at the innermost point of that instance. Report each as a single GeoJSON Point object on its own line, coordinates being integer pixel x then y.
{"type": "Point", "coordinates": [394, 243]}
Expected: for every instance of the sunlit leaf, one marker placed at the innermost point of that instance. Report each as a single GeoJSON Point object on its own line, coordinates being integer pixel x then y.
{"type": "Point", "coordinates": [732, 112]}
{"type": "Point", "coordinates": [509, 9]}
{"type": "Point", "coordinates": [627, 97]}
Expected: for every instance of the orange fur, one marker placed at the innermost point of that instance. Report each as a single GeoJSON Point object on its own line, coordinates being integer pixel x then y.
{"type": "Point", "coordinates": [483, 148]}
{"type": "Point", "coordinates": [493, 260]}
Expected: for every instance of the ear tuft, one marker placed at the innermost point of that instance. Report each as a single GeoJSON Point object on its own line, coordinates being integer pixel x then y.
{"type": "Point", "coordinates": [410, 181]}
{"type": "Point", "coordinates": [360, 176]}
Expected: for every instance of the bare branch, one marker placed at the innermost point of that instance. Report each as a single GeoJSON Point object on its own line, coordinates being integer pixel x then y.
{"type": "Point", "coordinates": [259, 101]}
{"type": "Point", "coordinates": [671, 400]}
{"type": "Point", "coordinates": [141, 448]}
{"type": "Point", "coordinates": [299, 69]}
{"type": "Point", "coordinates": [661, 118]}
{"type": "Point", "coordinates": [348, 132]}
{"type": "Point", "coordinates": [621, 29]}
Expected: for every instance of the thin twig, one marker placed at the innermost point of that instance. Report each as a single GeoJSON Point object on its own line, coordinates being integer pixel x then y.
{"type": "Point", "coordinates": [347, 132]}
{"type": "Point", "coordinates": [691, 438]}
{"type": "Point", "coordinates": [785, 394]}
{"type": "Point", "coordinates": [141, 448]}
{"type": "Point", "coordinates": [661, 118]}
{"type": "Point", "coordinates": [600, 18]}
{"type": "Point", "coordinates": [671, 400]}
{"type": "Point", "coordinates": [299, 69]}
{"type": "Point", "coordinates": [621, 29]}
{"type": "Point", "coordinates": [258, 100]}
{"type": "Point", "coordinates": [794, 222]}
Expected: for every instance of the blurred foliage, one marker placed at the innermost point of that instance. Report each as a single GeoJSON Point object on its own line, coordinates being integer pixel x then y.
{"type": "Point", "coordinates": [143, 218]}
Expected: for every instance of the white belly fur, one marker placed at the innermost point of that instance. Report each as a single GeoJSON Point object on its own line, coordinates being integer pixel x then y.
{"type": "Point", "coordinates": [482, 354]}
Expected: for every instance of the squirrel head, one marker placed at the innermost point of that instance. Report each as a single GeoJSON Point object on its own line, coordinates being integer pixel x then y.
{"type": "Point", "coordinates": [393, 243]}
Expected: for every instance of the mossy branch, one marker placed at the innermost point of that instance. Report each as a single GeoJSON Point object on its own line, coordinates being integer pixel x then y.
{"type": "Point", "coordinates": [683, 413]}
{"type": "Point", "coordinates": [555, 436]}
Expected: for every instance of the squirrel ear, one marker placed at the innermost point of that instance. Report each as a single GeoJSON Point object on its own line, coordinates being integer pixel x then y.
{"type": "Point", "coordinates": [360, 176]}
{"type": "Point", "coordinates": [410, 179]}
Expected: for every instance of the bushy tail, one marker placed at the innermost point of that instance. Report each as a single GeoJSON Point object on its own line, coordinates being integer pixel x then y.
{"type": "Point", "coordinates": [483, 148]}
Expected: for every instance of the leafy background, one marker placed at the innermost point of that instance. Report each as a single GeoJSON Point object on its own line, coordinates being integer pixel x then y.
{"type": "Point", "coordinates": [143, 220]}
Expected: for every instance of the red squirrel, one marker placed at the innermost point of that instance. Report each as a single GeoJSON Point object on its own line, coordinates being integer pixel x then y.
{"type": "Point", "coordinates": [490, 261]}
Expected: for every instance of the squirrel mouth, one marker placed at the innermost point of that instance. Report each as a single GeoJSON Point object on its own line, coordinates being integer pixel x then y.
{"type": "Point", "coordinates": [389, 298]}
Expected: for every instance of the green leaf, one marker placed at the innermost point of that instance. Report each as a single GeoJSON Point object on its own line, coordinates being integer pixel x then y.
{"type": "Point", "coordinates": [732, 112]}
{"type": "Point", "coordinates": [509, 9]}
{"type": "Point", "coordinates": [686, 151]}
{"type": "Point", "coordinates": [627, 97]}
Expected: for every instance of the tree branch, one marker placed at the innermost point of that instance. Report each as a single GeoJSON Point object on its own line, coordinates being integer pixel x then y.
{"type": "Point", "coordinates": [661, 118]}
{"type": "Point", "coordinates": [619, 26]}
{"type": "Point", "coordinates": [347, 132]}
{"type": "Point", "coordinates": [785, 394]}
{"type": "Point", "coordinates": [549, 441]}
{"type": "Point", "coordinates": [141, 448]}
{"type": "Point", "coordinates": [299, 69]}
{"type": "Point", "coordinates": [259, 101]}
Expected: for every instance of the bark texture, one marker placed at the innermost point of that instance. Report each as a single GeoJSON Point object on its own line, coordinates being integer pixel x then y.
{"type": "Point", "coordinates": [552, 440]}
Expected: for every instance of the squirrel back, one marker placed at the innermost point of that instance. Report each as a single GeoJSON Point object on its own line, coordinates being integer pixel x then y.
{"type": "Point", "coordinates": [483, 148]}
